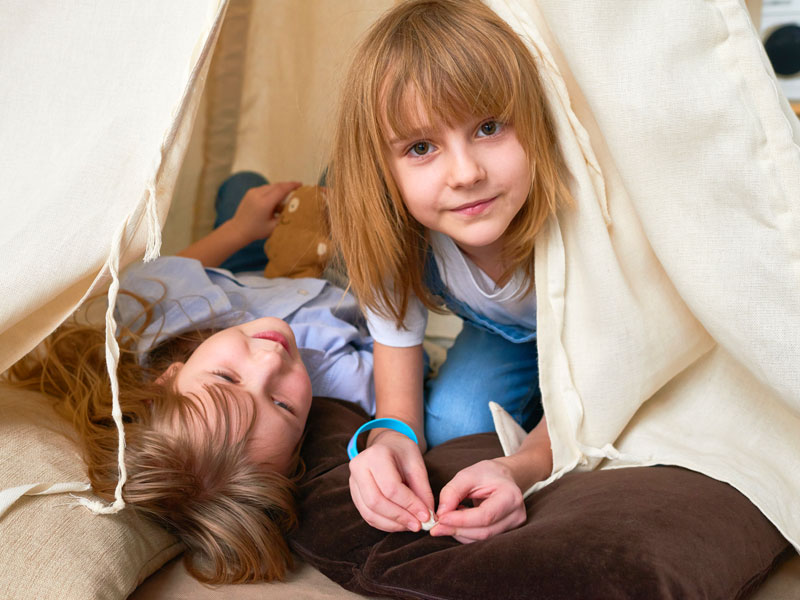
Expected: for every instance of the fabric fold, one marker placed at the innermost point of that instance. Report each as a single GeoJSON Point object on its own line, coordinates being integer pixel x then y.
{"type": "Point", "coordinates": [668, 311]}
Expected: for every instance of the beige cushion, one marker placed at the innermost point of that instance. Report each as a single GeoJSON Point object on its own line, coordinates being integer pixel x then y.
{"type": "Point", "coordinates": [52, 548]}
{"type": "Point", "coordinates": [306, 582]}
{"type": "Point", "coordinates": [173, 581]}
{"type": "Point", "coordinates": [784, 583]}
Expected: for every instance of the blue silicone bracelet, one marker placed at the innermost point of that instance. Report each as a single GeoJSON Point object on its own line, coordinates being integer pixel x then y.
{"type": "Point", "coordinates": [395, 424]}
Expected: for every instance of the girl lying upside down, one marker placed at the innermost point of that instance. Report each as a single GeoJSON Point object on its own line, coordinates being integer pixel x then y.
{"type": "Point", "coordinates": [216, 376]}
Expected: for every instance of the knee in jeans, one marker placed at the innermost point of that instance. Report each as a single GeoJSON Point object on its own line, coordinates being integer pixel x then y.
{"type": "Point", "coordinates": [237, 184]}
{"type": "Point", "coordinates": [451, 419]}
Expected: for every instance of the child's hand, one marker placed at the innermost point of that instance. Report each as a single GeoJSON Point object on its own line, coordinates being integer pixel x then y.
{"type": "Point", "coordinates": [389, 484]}
{"type": "Point", "coordinates": [495, 495]}
{"type": "Point", "coordinates": [257, 214]}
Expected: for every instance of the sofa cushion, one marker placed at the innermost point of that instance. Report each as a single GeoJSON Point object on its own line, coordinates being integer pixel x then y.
{"type": "Point", "coordinates": [51, 547]}
{"type": "Point", "coordinates": [645, 532]}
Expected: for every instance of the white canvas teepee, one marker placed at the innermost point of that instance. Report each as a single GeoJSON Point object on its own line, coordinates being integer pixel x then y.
{"type": "Point", "coordinates": [105, 103]}
{"type": "Point", "coordinates": [669, 298]}
{"type": "Point", "coordinates": [98, 100]}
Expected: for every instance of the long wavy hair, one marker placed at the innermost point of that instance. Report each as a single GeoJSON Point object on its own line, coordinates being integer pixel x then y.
{"type": "Point", "coordinates": [460, 60]}
{"type": "Point", "coordinates": [189, 473]}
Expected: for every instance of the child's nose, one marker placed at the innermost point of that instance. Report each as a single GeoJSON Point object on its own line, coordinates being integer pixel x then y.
{"type": "Point", "coordinates": [265, 365]}
{"type": "Point", "coordinates": [465, 168]}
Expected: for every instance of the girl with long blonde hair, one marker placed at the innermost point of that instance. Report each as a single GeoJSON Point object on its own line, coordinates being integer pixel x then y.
{"type": "Point", "coordinates": [216, 377]}
{"type": "Point", "coordinates": [445, 166]}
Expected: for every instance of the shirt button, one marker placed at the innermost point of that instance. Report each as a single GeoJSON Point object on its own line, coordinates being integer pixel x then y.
{"type": "Point", "coordinates": [303, 292]}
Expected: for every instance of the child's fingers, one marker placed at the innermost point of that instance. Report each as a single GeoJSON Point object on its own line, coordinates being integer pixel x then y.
{"type": "Point", "coordinates": [400, 473]}
{"type": "Point", "coordinates": [502, 509]}
{"type": "Point", "coordinates": [416, 476]}
{"type": "Point", "coordinates": [454, 492]}
{"type": "Point", "coordinates": [393, 486]}
{"type": "Point", "coordinates": [377, 509]}
{"type": "Point", "coordinates": [379, 520]}
{"type": "Point", "coordinates": [467, 535]}
{"type": "Point", "coordinates": [272, 193]}
{"type": "Point", "coordinates": [279, 186]}
{"type": "Point", "coordinates": [381, 491]}
{"type": "Point", "coordinates": [284, 188]}
{"type": "Point", "coordinates": [281, 189]}
{"type": "Point", "coordinates": [497, 508]}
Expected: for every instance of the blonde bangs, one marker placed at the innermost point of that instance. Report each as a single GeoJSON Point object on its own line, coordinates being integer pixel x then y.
{"type": "Point", "coordinates": [446, 67]}
{"type": "Point", "coordinates": [452, 61]}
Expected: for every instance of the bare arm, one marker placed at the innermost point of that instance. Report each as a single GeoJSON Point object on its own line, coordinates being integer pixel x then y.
{"type": "Point", "coordinates": [398, 388]}
{"type": "Point", "coordinates": [533, 460]}
{"type": "Point", "coordinates": [255, 219]}
{"type": "Point", "coordinates": [388, 480]}
{"type": "Point", "coordinates": [214, 248]}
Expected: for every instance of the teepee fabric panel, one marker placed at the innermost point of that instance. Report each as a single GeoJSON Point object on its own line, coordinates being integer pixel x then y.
{"type": "Point", "coordinates": [269, 101]}
{"type": "Point", "coordinates": [98, 101]}
{"type": "Point", "coordinates": [669, 295]}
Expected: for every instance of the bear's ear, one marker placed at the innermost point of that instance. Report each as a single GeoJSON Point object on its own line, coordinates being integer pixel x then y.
{"type": "Point", "coordinates": [300, 245]}
{"type": "Point", "coordinates": [292, 203]}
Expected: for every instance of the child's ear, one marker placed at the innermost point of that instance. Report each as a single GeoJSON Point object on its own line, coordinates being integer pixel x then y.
{"type": "Point", "coordinates": [169, 373]}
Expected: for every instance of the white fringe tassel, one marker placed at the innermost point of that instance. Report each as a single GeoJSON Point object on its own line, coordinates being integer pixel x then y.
{"type": "Point", "coordinates": [112, 347]}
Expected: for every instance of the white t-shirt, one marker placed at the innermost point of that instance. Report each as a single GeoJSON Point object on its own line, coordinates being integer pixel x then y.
{"type": "Point", "coordinates": [467, 283]}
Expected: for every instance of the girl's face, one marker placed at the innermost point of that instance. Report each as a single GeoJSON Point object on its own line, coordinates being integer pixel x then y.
{"type": "Point", "coordinates": [467, 181]}
{"type": "Point", "coordinates": [258, 359]}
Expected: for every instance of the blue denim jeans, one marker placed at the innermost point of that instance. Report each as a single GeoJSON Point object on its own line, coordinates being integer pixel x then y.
{"type": "Point", "coordinates": [482, 366]}
{"type": "Point", "coordinates": [488, 361]}
{"type": "Point", "coordinates": [229, 195]}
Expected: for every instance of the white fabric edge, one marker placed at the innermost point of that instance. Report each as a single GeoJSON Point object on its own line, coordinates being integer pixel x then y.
{"type": "Point", "coordinates": [145, 213]}
{"type": "Point", "coordinates": [10, 496]}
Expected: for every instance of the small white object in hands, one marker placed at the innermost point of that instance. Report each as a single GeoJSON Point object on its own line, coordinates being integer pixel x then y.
{"type": "Point", "coordinates": [428, 525]}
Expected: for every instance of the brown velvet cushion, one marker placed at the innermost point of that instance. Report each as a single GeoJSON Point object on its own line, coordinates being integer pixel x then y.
{"type": "Point", "coordinates": [655, 532]}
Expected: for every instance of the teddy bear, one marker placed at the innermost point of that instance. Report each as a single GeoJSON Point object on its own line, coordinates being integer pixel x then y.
{"type": "Point", "coordinates": [300, 245]}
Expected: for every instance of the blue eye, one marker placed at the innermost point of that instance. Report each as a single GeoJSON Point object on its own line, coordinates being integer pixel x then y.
{"type": "Point", "coordinates": [420, 149]}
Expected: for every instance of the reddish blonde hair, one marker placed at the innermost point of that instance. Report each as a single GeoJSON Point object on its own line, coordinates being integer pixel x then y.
{"type": "Point", "coordinates": [197, 479]}
{"type": "Point", "coordinates": [459, 59]}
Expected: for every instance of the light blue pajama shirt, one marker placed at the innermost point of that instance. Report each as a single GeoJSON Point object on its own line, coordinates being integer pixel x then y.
{"type": "Point", "coordinates": [333, 340]}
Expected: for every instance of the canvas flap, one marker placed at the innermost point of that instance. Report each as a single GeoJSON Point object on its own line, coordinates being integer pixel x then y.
{"type": "Point", "coordinates": [99, 101]}
{"type": "Point", "coordinates": [668, 306]}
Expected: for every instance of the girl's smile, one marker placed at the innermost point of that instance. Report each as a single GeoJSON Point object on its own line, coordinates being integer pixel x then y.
{"type": "Point", "coordinates": [474, 208]}
{"type": "Point", "coordinates": [468, 181]}
{"type": "Point", "coordinates": [258, 365]}
{"type": "Point", "coordinates": [274, 336]}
